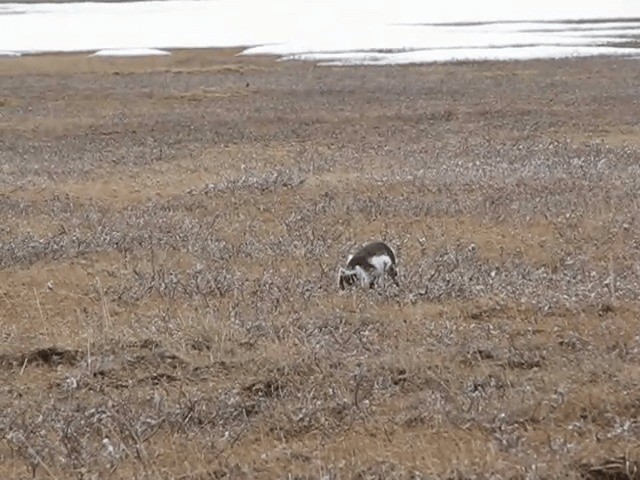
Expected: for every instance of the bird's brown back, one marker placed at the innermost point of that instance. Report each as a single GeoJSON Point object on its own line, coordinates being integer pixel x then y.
{"type": "Point", "coordinates": [362, 256]}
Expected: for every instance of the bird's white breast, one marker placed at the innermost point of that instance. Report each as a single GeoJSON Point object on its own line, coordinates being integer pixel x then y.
{"type": "Point", "coordinates": [380, 262]}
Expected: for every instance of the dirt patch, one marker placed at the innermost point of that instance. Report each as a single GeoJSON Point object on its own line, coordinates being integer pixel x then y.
{"type": "Point", "coordinates": [49, 356]}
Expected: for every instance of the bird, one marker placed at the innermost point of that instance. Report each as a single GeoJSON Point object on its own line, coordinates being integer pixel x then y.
{"type": "Point", "coordinates": [369, 264]}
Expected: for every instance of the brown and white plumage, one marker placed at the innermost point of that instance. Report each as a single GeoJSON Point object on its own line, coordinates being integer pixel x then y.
{"type": "Point", "coordinates": [368, 265]}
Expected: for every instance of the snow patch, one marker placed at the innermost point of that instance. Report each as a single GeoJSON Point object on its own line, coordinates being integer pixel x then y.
{"type": "Point", "coordinates": [342, 31]}
{"type": "Point", "coordinates": [129, 52]}
{"type": "Point", "coordinates": [458, 54]}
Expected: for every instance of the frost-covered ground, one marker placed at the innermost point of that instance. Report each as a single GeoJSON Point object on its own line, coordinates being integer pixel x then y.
{"type": "Point", "coordinates": [333, 31]}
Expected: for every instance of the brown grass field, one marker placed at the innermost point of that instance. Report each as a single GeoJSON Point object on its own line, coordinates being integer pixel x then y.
{"type": "Point", "coordinates": [170, 234]}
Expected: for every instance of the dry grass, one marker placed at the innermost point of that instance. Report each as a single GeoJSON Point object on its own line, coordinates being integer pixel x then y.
{"type": "Point", "coordinates": [171, 230]}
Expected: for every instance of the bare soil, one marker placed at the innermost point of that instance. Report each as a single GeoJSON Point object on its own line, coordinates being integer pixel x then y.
{"type": "Point", "coordinates": [171, 230]}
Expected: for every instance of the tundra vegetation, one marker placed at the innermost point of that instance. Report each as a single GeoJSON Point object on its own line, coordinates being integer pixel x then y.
{"type": "Point", "coordinates": [171, 231]}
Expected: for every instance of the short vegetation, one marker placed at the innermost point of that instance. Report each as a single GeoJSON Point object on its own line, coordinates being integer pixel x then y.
{"type": "Point", "coordinates": [171, 232]}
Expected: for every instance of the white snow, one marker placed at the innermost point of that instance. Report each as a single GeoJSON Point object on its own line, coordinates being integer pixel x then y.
{"type": "Point", "coordinates": [460, 54]}
{"type": "Point", "coordinates": [334, 31]}
{"type": "Point", "coordinates": [9, 54]}
{"type": "Point", "coordinates": [129, 52]}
